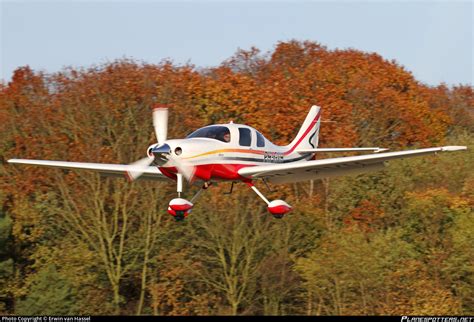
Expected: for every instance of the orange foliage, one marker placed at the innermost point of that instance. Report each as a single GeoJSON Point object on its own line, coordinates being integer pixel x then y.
{"type": "Point", "coordinates": [171, 295]}
{"type": "Point", "coordinates": [369, 100]}
{"type": "Point", "coordinates": [412, 291]}
{"type": "Point", "coordinates": [367, 216]}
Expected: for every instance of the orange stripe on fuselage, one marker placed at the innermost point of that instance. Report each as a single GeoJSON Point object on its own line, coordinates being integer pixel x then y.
{"type": "Point", "coordinates": [227, 150]}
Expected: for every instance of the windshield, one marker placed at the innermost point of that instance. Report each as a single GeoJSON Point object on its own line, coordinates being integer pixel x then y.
{"type": "Point", "coordinates": [220, 133]}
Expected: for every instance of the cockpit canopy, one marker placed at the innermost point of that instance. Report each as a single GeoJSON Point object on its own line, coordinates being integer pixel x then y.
{"type": "Point", "coordinates": [220, 133]}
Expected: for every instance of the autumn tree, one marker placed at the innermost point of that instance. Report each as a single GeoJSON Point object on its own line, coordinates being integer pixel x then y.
{"type": "Point", "coordinates": [389, 242]}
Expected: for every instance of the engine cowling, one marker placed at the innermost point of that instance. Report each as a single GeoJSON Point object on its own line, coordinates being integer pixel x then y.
{"type": "Point", "coordinates": [278, 208]}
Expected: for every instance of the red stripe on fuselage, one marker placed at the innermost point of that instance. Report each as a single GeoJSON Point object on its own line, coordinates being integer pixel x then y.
{"type": "Point", "coordinates": [208, 172]}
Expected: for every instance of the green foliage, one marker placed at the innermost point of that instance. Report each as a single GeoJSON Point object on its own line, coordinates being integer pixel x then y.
{"type": "Point", "coordinates": [7, 267]}
{"type": "Point", "coordinates": [458, 267]}
{"type": "Point", "coordinates": [349, 271]}
{"type": "Point", "coordinates": [50, 294]}
{"type": "Point", "coordinates": [6, 224]}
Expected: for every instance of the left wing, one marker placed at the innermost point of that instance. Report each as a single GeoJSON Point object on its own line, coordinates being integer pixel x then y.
{"type": "Point", "coordinates": [115, 170]}
{"type": "Point", "coordinates": [315, 169]}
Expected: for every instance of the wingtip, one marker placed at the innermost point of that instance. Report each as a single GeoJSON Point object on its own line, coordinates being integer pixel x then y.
{"type": "Point", "coordinates": [454, 148]}
{"type": "Point", "coordinates": [13, 160]}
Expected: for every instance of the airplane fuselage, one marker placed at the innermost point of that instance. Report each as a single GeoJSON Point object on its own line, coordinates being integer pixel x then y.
{"type": "Point", "coordinates": [213, 158]}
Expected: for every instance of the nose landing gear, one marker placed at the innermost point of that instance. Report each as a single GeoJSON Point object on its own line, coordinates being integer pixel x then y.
{"type": "Point", "coordinates": [180, 208]}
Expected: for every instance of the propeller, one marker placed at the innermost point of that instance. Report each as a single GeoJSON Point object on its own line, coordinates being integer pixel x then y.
{"type": "Point", "coordinates": [137, 168]}
{"type": "Point", "coordinates": [160, 124]}
{"type": "Point", "coordinates": [184, 167]}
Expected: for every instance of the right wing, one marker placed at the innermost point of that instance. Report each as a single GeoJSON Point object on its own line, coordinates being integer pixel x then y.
{"type": "Point", "coordinates": [115, 170]}
{"type": "Point", "coordinates": [315, 169]}
{"type": "Point", "coordinates": [375, 150]}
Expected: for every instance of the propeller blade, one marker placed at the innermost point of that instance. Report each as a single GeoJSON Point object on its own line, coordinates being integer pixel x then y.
{"type": "Point", "coordinates": [136, 169]}
{"type": "Point", "coordinates": [184, 167]}
{"type": "Point", "coordinates": [160, 123]}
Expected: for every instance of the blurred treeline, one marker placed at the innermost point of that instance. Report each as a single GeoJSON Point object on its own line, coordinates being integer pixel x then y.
{"type": "Point", "coordinates": [398, 241]}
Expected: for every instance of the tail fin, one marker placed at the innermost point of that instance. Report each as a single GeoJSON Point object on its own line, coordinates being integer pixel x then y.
{"type": "Point", "coordinates": [308, 135]}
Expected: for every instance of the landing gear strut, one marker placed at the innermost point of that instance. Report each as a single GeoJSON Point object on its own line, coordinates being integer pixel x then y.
{"type": "Point", "coordinates": [278, 208]}
{"type": "Point", "coordinates": [180, 208]}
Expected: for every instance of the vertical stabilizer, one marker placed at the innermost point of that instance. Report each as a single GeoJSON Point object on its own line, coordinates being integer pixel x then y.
{"type": "Point", "coordinates": [308, 134]}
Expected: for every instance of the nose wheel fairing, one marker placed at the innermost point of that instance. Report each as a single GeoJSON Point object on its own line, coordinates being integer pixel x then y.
{"type": "Point", "coordinates": [180, 204]}
{"type": "Point", "coordinates": [179, 208]}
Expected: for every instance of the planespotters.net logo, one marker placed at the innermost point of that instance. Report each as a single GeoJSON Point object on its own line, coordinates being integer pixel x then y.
{"type": "Point", "coordinates": [437, 319]}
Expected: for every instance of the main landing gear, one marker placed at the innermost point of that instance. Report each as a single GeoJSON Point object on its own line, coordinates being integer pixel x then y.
{"type": "Point", "coordinates": [278, 208]}
{"type": "Point", "coordinates": [180, 208]}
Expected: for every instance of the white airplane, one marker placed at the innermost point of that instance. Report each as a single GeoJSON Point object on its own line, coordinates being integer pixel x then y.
{"type": "Point", "coordinates": [238, 153]}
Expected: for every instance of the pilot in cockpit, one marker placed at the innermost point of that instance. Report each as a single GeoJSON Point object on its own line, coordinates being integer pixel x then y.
{"type": "Point", "coordinates": [227, 137]}
{"type": "Point", "coordinates": [222, 134]}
